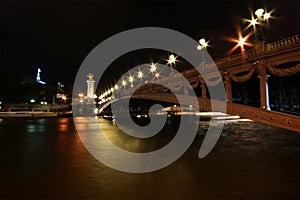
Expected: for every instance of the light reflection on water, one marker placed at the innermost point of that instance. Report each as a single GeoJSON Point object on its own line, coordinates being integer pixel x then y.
{"type": "Point", "coordinates": [36, 126]}
{"type": "Point", "coordinates": [44, 158]}
{"type": "Point", "coordinates": [63, 125]}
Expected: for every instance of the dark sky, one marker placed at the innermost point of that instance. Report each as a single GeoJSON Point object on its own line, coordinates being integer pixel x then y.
{"type": "Point", "coordinates": [56, 35]}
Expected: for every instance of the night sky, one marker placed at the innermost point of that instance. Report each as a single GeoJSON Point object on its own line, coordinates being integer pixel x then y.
{"type": "Point", "coordinates": [56, 35]}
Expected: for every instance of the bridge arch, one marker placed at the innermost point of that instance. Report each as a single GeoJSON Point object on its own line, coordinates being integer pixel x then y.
{"type": "Point", "coordinates": [262, 67]}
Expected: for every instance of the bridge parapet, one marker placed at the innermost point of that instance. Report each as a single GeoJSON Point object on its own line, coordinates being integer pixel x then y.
{"type": "Point", "coordinates": [259, 51]}
{"type": "Point", "coordinates": [283, 43]}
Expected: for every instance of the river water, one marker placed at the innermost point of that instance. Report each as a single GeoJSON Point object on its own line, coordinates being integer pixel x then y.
{"type": "Point", "coordinates": [45, 159]}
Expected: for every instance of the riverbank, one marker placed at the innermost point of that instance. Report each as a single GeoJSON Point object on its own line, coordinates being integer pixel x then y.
{"type": "Point", "coordinates": [34, 114]}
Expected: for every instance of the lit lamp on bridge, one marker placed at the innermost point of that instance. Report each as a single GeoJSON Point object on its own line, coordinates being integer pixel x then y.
{"type": "Point", "coordinates": [172, 60]}
{"type": "Point", "coordinates": [262, 18]}
{"type": "Point", "coordinates": [131, 79]}
{"type": "Point", "coordinates": [203, 44]}
{"type": "Point", "coordinates": [153, 68]}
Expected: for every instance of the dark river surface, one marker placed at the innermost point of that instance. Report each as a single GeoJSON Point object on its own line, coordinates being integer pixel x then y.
{"type": "Point", "coordinates": [45, 159]}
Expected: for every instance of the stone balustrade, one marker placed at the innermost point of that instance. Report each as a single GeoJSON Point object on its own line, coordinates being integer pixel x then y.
{"type": "Point", "coordinates": [283, 43]}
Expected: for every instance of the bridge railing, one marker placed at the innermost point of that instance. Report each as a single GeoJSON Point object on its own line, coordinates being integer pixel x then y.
{"type": "Point", "coordinates": [285, 42]}
{"type": "Point", "coordinates": [258, 50]}
{"type": "Point", "coordinates": [266, 48]}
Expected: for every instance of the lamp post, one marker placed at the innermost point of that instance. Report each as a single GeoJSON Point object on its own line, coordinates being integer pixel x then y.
{"type": "Point", "coordinates": [172, 62]}
{"type": "Point", "coordinates": [202, 46]}
{"type": "Point", "coordinates": [258, 20]}
{"type": "Point", "coordinates": [261, 20]}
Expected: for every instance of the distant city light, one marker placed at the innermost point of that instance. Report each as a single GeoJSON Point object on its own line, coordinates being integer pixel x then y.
{"type": "Point", "coordinates": [32, 101]}
{"type": "Point", "coordinates": [81, 95]}
{"type": "Point", "coordinates": [116, 87]}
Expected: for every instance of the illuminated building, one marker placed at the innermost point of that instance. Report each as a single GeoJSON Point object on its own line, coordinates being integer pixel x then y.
{"type": "Point", "coordinates": [90, 86]}
{"type": "Point", "coordinates": [38, 77]}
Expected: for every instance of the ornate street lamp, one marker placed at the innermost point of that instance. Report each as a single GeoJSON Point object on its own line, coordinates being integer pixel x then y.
{"type": "Point", "coordinates": [203, 44]}
{"type": "Point", "coordinates": [172, 60]}
{"type": "Point", "coordinates": [153, 68]}
{"type": "Point", "coordinates": [262, 18]}
{"type": "Point", "coordinates": [140, 74]}
{"type": "Point", "coordinates": [124, 83]}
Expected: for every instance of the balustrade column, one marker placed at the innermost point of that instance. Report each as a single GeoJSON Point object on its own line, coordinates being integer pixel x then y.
{"type": "Point", "coordinates": [228, 87]}
{"type": "Point", "coordinates": [263, 83]}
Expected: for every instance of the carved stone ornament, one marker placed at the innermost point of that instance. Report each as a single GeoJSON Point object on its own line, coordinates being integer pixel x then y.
{"type": "Point", "coordinates": [284, 72]}
{"type": "Point", "coordinates": [260, 67]}
{"type": "Point", "coordinates": [242, 78]}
